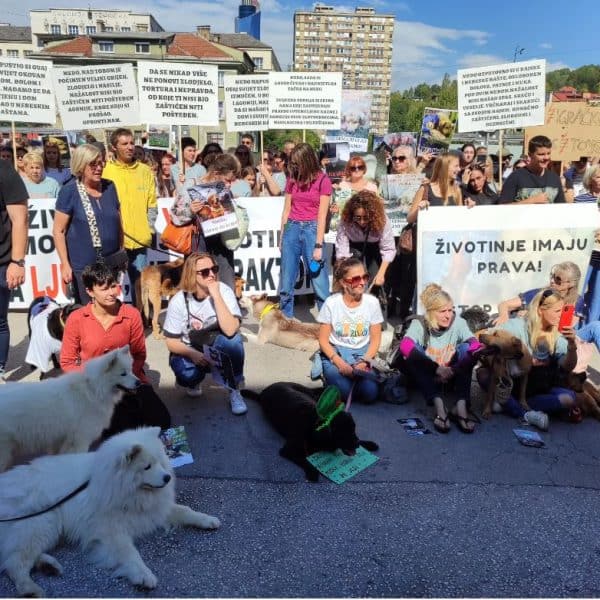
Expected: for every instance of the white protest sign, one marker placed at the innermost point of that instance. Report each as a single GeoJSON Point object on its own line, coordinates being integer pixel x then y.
{"type": "Point", "coordinates": [501, 96]}
{"type": "Point", "coordinates": [96, 97]}
{"type": "Point", "coordinates": [305, 100]}
{"type": "Point", "coordinates": [487, 254]}
{"type": "Point", "coordinates": [26, 91]}
{"type": "Point", "coordinates": [178, 94]}
{"type": "Point", "coordinates": [247, 102]}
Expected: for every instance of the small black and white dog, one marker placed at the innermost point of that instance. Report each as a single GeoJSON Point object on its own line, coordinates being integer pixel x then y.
{"type": "Point", "coordinates": [291, 409]}
{"type": "Point", "coordinates": [46, 321]}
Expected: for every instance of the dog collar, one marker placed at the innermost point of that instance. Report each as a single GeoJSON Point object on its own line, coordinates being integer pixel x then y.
{"type": "Point", "coordinates": [266, 310]}
{"type": "Point", "coordinates": [329, 405]}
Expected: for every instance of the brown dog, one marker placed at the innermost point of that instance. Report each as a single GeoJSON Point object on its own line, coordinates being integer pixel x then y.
{"type": "Point", "coordinates": [277, 329]}
{"type": "Point", "coordinates": [511, 358]}
{"type": "Point", "coordinates": [155, 282]}
{"type": "Point", "coordinates": [587, 395]}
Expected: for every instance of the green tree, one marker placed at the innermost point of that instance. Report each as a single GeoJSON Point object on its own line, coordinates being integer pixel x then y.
{"type": "Point", "coordinates": [275, 138]}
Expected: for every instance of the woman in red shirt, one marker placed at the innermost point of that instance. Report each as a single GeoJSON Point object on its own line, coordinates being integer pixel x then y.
{"type": "Point", "coordinates": [104, 325]}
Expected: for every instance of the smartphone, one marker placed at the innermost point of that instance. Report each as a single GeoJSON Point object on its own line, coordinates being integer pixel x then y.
{"type": "Point", "coordinates": [566, 317]}
{"type": "Point", "coordinates": [481, 159]}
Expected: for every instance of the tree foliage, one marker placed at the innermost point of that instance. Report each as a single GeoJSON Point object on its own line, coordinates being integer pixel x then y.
{"type": "Point", "coordinates": [275, 138]}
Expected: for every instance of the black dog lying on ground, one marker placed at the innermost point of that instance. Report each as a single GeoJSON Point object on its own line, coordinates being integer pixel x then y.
{"type": "Point", "coordinates": [292, 410]}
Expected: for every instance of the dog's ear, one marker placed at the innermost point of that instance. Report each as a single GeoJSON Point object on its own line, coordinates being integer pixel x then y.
{"type": "Point", "coordinates": [133, 452]}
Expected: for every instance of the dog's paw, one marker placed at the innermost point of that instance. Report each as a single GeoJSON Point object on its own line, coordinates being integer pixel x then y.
{"type": "Point", "coordinates": [208, 522]}
{"type": "Point", "coordinates": [30, 589]}
{"type": "Point", "coordinates": [143, 578]}
{"type": "Point", "coordinates": [368, 445]}
{"type": "Point", "coordinates": [48, 565]}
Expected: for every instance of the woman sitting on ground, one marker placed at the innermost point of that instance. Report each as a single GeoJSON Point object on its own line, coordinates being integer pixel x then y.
{"type": "Point", "coordinates": [106, 324]}
{"type": "Point", "coordinates": [204, 305]}
{"type": "Point", "coordinates": [437, 350]}
{"type": "Point", "coordinates": [350, 333]}
{"type": "Point", "coordinates": [365, 232]}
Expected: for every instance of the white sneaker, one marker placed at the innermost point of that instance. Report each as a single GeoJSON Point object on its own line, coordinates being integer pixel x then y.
{"type": "Point", "coordinates": [238, 406]}
{"type": "Point", "coordinates": [192, 392]}
{"type": "Point", "coordinates": [537, 418]}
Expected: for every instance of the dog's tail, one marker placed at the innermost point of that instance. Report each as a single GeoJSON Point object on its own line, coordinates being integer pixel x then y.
{"type": "Point", "coordinates": [143, 300]}
{"type": "Point", "coordinates": [251, 395]}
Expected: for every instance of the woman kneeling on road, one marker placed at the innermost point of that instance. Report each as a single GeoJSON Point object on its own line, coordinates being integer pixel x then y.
{"type": "Point", "coordinates": [205, 312]}
{"type": "Point", "coordinates": [350, 332]}
{"type": "Point", "coordinates": [437, 352]}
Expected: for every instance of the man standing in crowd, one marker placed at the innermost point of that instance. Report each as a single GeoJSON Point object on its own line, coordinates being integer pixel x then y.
{"type": "Point", "coordinates": [574, 176]}
{"type": "Point", "coordinates": [13, 245]}
{"type": "Point", "coordinates": [191, 168]}
{"type": "Point", "coordinates": [536, 183]}
{"type": "Point", "coordinates": [247, 140]}
{"type": "Point", "coordinates": [137, 197]}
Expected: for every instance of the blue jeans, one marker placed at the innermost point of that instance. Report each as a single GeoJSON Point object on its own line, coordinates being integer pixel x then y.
{"type": "Point", "coordinates": [549, 403]}
{"type": "Point", "coordinates": [4, 331]}
{"type": "Point", "coordinates": [189, 374]}
{"type": "Point", "coordinates": [298, 241]}
{"type": "Point", "coordinates": [366, 390]}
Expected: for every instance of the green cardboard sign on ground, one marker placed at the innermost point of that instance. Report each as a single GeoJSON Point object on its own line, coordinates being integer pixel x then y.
{"type": "Point", "coordinates": [338, 467]}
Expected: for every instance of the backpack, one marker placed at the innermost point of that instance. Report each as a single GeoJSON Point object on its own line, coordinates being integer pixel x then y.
{"type": "Point", "coordinates": [393, 355]}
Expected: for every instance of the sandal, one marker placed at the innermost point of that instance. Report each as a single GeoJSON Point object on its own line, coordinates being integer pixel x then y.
{"type": "Point", "coordinates": [462, 422]}
{"type": "Point", "coordinates": [445, 425]}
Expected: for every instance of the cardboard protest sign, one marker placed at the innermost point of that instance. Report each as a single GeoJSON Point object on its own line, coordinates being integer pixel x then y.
{"type": "Point", "coordinates": [305, 100]}
{"type": "Point", "coordinates": [339, 467]}
{"type": "Point", "coordinates": [247, 102]}
{"type": "Point", "coordinates": [26, 91]}
{"type": "Point", "coordinates": [487, 254]}
{"type": "Point", "coordinates": [178, 93]}
{"type": "Point", "coordinates": [96, 97]}
{"type": "Point", "coordinates": [398, 193]}
{"type": "Point", "coordinates": [501, 96]}
{"type": "Point", "coordinates": [437, 129]}
{"type": "Point", "coordinates": [355, 121]}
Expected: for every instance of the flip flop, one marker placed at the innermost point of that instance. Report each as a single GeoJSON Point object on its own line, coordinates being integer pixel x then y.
{"type": "Point", "coordinates": [461, 422]}
{"type": "Point", "coordinates": [446, 425]}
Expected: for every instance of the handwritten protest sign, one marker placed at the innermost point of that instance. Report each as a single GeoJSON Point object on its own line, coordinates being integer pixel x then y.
{"type": "Point", "coordinates": [247, 102]}
{"type": "Point", "coordinates": [305, 100]}
{"type": "Point", "coordinates": [490, 253]}
{"type": "Point", "coordinates": [339, 467]}
{"type": "Point", "coordinates": [26, 91]}
{"type": "Point", "coordinates": [501, 96]}
{"type": "Point", "coordinates": [96, 97]}
{"type": "Point", "coordinates": [398, 194]}
{"type": "Point", "coordinates": [437, 129]}
{"type": "Point", "coordinates": [179, 94]}
{"type": "Point", "coordinates": [355, 121]}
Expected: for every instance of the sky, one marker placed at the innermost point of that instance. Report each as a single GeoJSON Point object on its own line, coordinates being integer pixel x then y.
{"type": "Point", "coordinates": [430, 38]}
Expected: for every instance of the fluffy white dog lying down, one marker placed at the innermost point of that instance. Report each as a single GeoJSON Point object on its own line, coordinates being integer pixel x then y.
{"type": "Point", "coordinates": [131, 492]}
{"type": "Point", "coordinates": [64, 414]}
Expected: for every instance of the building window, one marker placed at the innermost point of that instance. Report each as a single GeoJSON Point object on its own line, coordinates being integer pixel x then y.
{"type": "Point", "coordinates": [27, 52]}
{"type": "Point", "coordinates": [73, 30]}
{"type": "Point", "coordinates": [109, 29]}
{"type": "Point", "coordinates": [90, 29]}
{"type": "Point", "coordinates": [258, 62]}
{"type": "Point", "coordinates": [215, 138]}
{"type": "Point", "coordinates": [12, 53]}
{"type": "Point", "coordinates": [106, 46]}
{"type": "Point", "coordinates": [221, 110]}
{"type": "Point", "coordinates": [220, 78]}
{"type": "Point", "coordinates": [142, 47]}
{"type": "Point", "coordinates": [141, 27]}
{"type": "Point", "coordinates": [125, 28]}
{"type": "Point", "coordinates": [55, 29]}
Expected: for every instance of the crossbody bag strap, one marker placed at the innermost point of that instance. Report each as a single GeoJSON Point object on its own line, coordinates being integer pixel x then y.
{"type": "Point", "coordinates": [91, 217]}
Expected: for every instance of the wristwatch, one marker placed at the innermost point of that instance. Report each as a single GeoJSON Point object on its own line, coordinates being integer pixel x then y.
{"type": "Point", "coordinates": [20, 262]}
{"type": "Point", "coordinates": [318, 245]}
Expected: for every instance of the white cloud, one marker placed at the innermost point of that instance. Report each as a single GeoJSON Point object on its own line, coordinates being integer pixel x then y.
{"type": "Point", "coordinates": [545, 46]}
{"type": "Point", "coordinates": [479, 60]}
{"type": "Point", "coordinates": [554, 66]}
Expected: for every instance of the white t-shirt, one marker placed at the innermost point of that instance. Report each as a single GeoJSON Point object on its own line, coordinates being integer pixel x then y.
{"type": "Point", "coordinates": [350, 326]}
{"type": "Point", "coordinates": [202, 313]}
{"type": "Point", "coordinates": [42, 345]}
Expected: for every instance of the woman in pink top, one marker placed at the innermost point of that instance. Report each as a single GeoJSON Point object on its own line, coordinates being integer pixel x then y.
{"type": "Point", "coordinates": [307, 196]}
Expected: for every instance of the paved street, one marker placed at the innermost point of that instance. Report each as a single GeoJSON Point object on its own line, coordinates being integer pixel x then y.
{"type": "Point", "coordinates": [438, 515]}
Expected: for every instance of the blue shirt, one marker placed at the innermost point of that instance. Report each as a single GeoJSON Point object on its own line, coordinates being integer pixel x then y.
{"type": "Point", "coordinates": [194, 172]}
{"type": "Point", "coordinates": [47, 188]}
{"type": "Point", "coordinates": [79, 240]}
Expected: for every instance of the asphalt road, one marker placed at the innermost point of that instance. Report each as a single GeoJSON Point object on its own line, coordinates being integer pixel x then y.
{"type": "Point", "coordinates": [438, 515]}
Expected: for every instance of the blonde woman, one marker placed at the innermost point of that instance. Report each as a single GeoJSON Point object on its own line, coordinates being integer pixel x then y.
{"type": "Point", "coordinates": [52, 162]}
{"type": "Point", "coordinates": [436, 351]}
{"type": "Point", "coordinates": [35, 180]}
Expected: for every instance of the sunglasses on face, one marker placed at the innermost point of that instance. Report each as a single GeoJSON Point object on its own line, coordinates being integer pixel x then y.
{"type": "Point", "coordinates": [357, 280]}
{"type": "Point", "coordinates": [206, 272]}
{"type": "Point", "coordinates": [398, 158]}
{"type": "Point", "coordinates": [558, 280]}
{"type": "Point", "coordinates": [357, 168]}
{"type": "Point", "coordinates": [359, 218]}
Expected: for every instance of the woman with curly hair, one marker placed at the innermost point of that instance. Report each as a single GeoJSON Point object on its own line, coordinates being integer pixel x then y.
{"type": "Point", "coordinates": [365, 232]}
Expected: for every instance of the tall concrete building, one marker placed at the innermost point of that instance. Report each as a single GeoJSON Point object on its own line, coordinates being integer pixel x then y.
{"type": "Point", "coordinates": [248, 19]}
{"type": "Point", "coordinates": [359, 44]}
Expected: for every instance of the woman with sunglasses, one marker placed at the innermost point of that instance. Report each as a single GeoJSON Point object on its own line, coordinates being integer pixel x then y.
{"type": "Point", "coordinates": [307, 196]}
{"type": "Point", "coordinates": [552, 351]}
{"type": "Point", "coordinates": [365, 232]}
{"type": "Point", "coordinates": [436, 353]}
{"type": "Point", "coordinates": [355, 179]}
{"type": "Point", "coordinates": [350, 333]}
{"type": "Point", "coordinates": [204, 304]}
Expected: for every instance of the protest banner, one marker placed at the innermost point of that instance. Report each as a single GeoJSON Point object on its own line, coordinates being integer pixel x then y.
{"type": "Point", "coordinates": [355, 121]}
{"type": "Point", "coordinates": [573, 128]}
{"type": "Point", "coordinates": [178, 94]}
{"type": "Point", "coordinates": [96, 97]}
{"type": "Point", "coordinates": [305, 100]}
{"type": "Point", "coordinates": [391, 141]}
{"type": "Point", "coordinates": [247, 102]}
{"type": "Point", "coordinates": [501, 96]}
{"type": "Point", "coordinates": [487, 254]}
{"type": "Point", "coordinates": [26, 93]}
{"type": "Point", "coordinates": [437, 129]}
{"type": "Point", "coordinates": [398, 193]}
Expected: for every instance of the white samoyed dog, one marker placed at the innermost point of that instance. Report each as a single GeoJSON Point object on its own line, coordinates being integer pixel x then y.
{"type": "Point", "coordinates": [130, 493]}
{"type": "Point", "coordinates": [64, 414]}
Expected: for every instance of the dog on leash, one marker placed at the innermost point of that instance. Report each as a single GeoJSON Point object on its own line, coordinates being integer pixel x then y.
{"type": "Point", "coordinates": [63, 414]}
{"type": "Point", "coordinates": [509, 358]}
{"type": "Point", "coordinates": [277, 329]}
{"type": "Point", "coordinates": [46, 324]}
{"type": "Point", "coordinates": [291, 409]}
{"type": "Point", "coordinates": [130, 492]}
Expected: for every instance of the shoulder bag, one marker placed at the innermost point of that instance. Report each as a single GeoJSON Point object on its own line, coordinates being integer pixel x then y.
{"type": "Point", "coordinates": [117, 259]}
{"type": "Point", "coordinates": [179, 238]}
